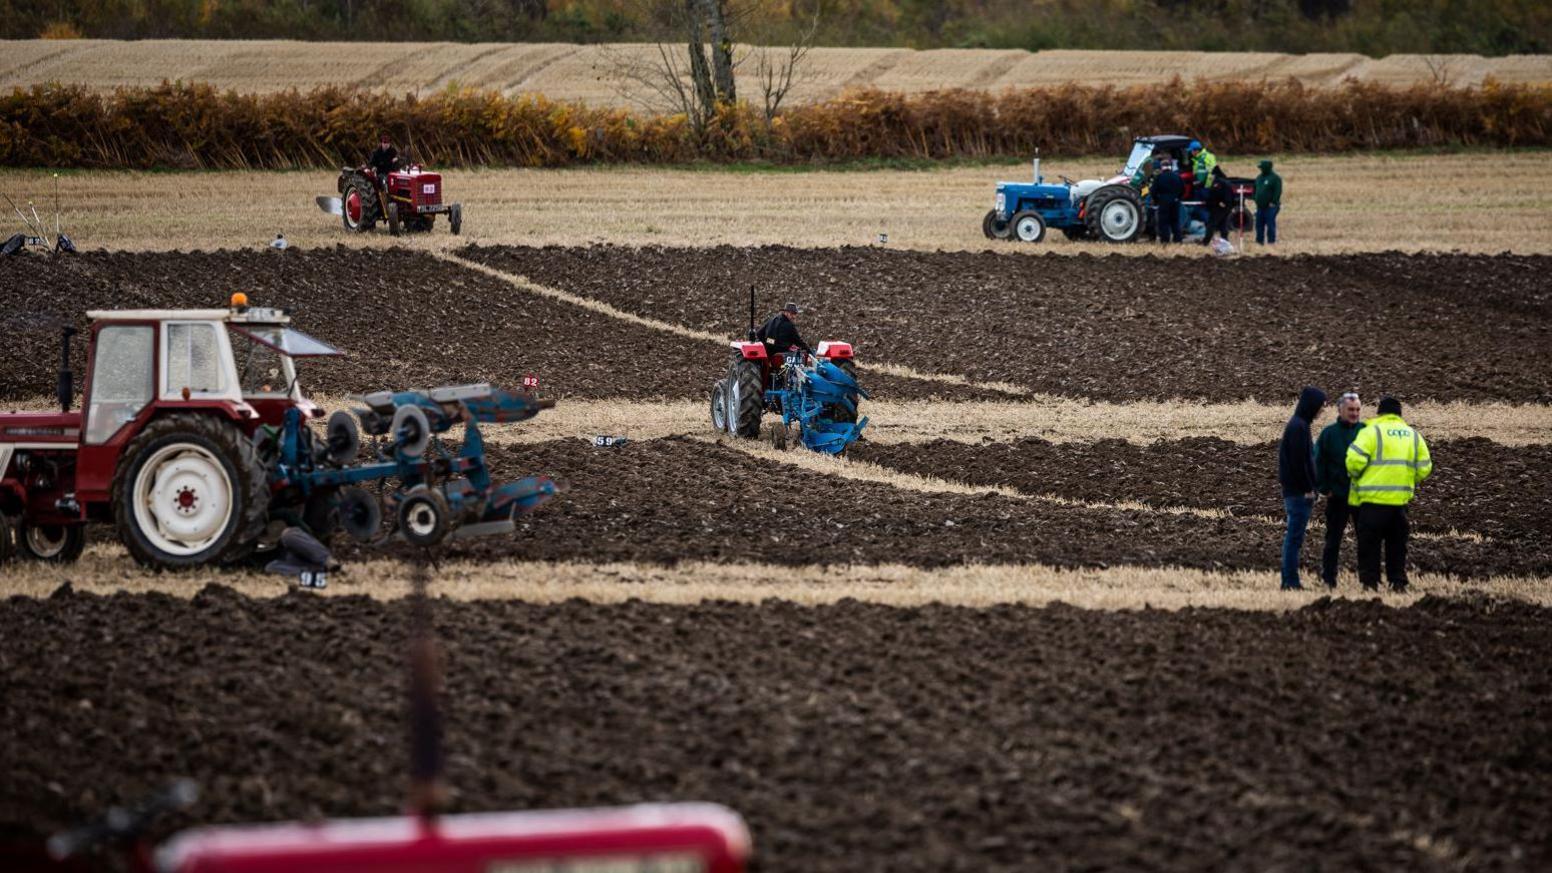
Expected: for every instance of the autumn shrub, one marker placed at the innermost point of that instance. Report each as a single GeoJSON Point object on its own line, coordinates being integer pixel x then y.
{"type": "Point", "coordinates": [178, 125]}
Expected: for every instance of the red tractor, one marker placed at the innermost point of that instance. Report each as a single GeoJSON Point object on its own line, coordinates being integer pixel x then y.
{"type": "Point", "coordinates": [410, 201]}
{"type": "Point", "coordinates": [193, 438]}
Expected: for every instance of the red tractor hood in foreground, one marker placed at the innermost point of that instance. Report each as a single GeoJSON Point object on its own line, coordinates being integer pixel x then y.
{"type": "Point", "coordinates": [661, 838]}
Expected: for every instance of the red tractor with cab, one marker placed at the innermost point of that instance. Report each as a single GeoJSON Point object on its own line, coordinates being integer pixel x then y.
{"type": "Point", "coordinates": [410, 200]}
{"type": "Point", "coordinates": [193, 440]}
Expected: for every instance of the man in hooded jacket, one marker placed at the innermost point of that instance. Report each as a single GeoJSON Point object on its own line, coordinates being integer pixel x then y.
{"type": "Point", "coordinates": [1296, 473]}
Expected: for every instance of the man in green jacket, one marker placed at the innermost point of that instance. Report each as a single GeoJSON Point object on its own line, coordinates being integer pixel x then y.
{"type": "Point", "coordinates": [1269, 201]}
{"type": "Point", "coordinates": [1331, 479]}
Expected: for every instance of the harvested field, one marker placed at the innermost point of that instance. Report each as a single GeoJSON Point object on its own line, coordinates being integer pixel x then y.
{"type": "Point", "coordinates": [851, 736]}
{"type": "Point", "coordinates": [677, 499]}
{"type": "Point", "coordinates": [405, 319]}
{"type": "Point", "coordinates": [1118, 329]}
{"type": "Point", "coordinates": [1498, 491]}
{"type": "Point", "coordinates": [1334, 204]}
{"type": "Point", "coordinates": [598, 73]}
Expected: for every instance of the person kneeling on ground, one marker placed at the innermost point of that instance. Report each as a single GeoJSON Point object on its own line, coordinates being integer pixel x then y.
{"type": "Point", "coordinates": [1296, 473]}
{"type": "Point", "coordinates": [780, 333]}
{"type": "Point", "coordinates": [1386, 462]}
{"type": "Point", "coordinates": [1331, 479]}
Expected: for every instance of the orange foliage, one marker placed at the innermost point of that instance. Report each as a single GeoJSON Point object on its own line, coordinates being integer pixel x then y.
{"type": "Point", "coordinates": [197, 126]}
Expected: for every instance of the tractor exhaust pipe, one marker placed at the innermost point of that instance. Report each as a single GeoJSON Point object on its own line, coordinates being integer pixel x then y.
{"type": "Point", "coordinates": [65, 390]}
{"type": "Point", "coordinates": [753, 331]}
{"type": "Point", "coordinates": [1037, 166]}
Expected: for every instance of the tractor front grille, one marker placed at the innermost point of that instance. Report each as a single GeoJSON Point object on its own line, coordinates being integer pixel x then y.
{"type": "Point", "coordinates": [426, 191]}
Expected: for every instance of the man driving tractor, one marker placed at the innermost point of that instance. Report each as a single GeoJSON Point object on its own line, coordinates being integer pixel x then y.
{"type": "Point", "coordinates": [780, 333]}
{"type": "Point", "coordinates": [384, 159]}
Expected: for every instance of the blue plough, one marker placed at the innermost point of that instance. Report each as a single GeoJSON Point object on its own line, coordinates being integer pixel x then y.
{"type": "Point", "coordinates": [818, 403]}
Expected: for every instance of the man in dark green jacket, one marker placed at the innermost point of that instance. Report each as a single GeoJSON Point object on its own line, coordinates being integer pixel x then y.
{"type": "Point", "coordinates": [1269, 201]}
{"type": "Point", "coordinates": [1331, 479]}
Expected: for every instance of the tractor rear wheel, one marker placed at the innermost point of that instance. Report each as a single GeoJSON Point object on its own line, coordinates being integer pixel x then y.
{"type": "Point", "coordinates": [56, 543]}
{"type": "Point", "coordinates": [993, 227]}
{"type": "Point", "coordinates": [189, 490]}
{"type": "Point", "coordinates": [358, 205]}
{"type": "Point", "coordinates": [1114, 214]}
{"type": "Point", "coordinates": [746, 401]}
{"type": "Point", "coordinates": [841, 413]}
{"type": "Point", "coordinates": [1028, 227]}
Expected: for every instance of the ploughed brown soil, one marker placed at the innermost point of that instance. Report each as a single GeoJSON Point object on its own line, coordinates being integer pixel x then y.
{"type": "Point", "coordinates": [1116, 328]}
{"type": "Point", "coordinates": [1477, 484]}
{"type": "Point", "coordinates": [852, 737]}
{"type": "Point", "coordinates": [667, 500]}
{"type": "Point", "coordinates": [404, 318]}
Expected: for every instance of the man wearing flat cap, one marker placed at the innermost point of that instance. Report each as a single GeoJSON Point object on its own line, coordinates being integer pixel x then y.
{"type": "Point", "coordinates": [780, 334]}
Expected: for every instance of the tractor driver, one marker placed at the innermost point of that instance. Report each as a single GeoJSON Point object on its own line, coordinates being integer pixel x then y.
{"type": "Point", "coordinates": [384, 159]}
{"type": "Point", "coordinates": [780, 334]}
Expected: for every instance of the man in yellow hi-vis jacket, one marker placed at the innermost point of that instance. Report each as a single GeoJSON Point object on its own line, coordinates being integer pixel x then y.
{"type": "Point", "coordinates": [1386, 462]}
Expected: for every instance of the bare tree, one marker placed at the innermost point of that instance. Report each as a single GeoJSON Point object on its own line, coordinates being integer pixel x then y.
{"type": "Point", "coordinates": [775, 73]}
{"type": "Point", "coordinates": [693, 66]}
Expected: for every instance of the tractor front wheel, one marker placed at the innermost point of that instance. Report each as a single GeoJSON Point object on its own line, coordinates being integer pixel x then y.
{"type": "Point", "coordinates": [455, 218]}
{"type": "Point", "coordinates": [1114, 214]}
{"type": "Point", "coordinates": [56, 543]}
{"type": "Point", "coordinates": [1028, 227]}
{"type": "Point", "coordinates": [995, 228]}
{"type": "Point", "coordinates": [395, 227]}
{"type": "Point", "coordinates": [719, 408]}
{"type": "Point", "coordinates": [189, 490]}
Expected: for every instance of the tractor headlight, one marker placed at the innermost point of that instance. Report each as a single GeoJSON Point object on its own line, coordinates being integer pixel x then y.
{"type": "Point", "coordinates": [1002, 205]}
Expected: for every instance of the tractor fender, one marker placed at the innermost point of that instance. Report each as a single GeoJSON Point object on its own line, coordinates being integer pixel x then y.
{"type": "Point", "coordinates": [750, 351]}
{"type": "Point", "coordinates": [834, 350]}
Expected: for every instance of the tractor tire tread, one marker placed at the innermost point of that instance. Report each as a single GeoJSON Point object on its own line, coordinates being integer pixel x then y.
{"type": "Point", "coordinates": [1095, 210]}
{"type": "Point", "coordinates": [749, 377]}
{"type": "Point", "coordinates": [251, 483]}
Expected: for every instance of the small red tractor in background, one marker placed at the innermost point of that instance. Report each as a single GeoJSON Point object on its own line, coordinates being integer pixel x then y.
{"type": "Point", "coordinates": [194, 442]}
{"type": "Point", "coordinates": [410, 201]}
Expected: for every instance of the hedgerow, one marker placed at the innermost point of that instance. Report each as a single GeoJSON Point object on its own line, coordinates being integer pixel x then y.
{"type": "Point", "coordinates": [178, 125]}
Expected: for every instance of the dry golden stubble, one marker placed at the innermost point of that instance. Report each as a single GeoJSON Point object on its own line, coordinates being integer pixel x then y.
{"type": "Point", "coordinates": [106, 569]}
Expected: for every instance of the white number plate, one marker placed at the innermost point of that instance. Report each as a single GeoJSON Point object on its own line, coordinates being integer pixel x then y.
{"type": "Point", "coordinates": [428, 188]}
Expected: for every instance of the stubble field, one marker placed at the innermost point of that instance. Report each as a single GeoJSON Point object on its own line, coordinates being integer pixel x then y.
{"type": "Point", "coordinates": [862, 655]}
{"type": "Point", "coordinates": [599, 74]}
{"type": "Point", "coordinates": [1472, 202]}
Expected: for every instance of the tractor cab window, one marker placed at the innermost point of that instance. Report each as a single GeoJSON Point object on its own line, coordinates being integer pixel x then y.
{"type": "Point", "coordinates": [1141, 151]}
{"type": "Point", "coordinates": [262, 370]}
{"type": "Point", "coordinates": [194, 360]}
{"type": "Point", "coordinates": [121, 379]}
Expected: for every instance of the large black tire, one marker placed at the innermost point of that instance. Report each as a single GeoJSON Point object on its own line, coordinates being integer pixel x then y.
{"type": "Point", "coordinates": [746, 379]}
{"type": "Point", "coordinates": [841, 413]}
{"type": "Point", "coordinates": [370, 208]}
{"type": "Point", "coordinates": [993, 228]}
{"type": "Point", "coordinates": [55, 543]}
{"type": "Point", "coordinates": [424, 518]}
{"type": "Point", "coordinates": [1114, 214]}
{"type": "Point", "coordinates": [7, 540]}
{"type": "Point", "coordinates": [237, 461]}
{"type": "Point", "coordinates": [455, 218]}
{"type": "Point", "coordinates": [395, 227]}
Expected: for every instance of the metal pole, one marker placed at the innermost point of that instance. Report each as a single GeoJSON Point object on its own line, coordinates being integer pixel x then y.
{"type": "Point", "coordinates": [1242, 221]}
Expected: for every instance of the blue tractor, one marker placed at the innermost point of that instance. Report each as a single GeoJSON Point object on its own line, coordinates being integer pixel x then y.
{"type": "Point", "coordinates": [1111, 210]}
